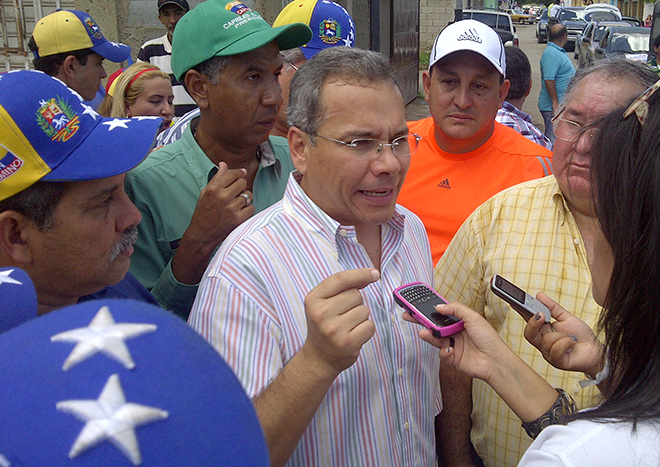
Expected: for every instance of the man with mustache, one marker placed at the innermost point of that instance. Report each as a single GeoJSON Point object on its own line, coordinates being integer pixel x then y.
{"type": "Point", "coordinates": [194, 192]}
{"type": "Point", "coordinates": [64, 216]}
{"type": "Point", "coordinates": [466, 156]}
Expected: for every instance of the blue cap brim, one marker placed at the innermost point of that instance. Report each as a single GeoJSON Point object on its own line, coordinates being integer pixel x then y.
{"type": "Point", "coordinates": [113, 51]}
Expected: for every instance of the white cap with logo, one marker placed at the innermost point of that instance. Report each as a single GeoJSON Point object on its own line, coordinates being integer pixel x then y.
{"type": "Point", "coordinates": [470, 35]}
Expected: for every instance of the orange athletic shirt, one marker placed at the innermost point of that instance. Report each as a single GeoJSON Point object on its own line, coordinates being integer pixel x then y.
{"type": "Point", "coordinates": [443, 188]}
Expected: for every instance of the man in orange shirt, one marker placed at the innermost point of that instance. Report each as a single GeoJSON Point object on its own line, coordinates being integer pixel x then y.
{"type": "Point", "coordinates": [465, 156]}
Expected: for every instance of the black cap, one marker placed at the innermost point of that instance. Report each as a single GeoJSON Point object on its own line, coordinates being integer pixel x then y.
{"type": "Point", "coordinates": [183, 4]}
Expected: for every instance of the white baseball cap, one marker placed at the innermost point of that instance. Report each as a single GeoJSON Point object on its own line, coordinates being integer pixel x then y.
{"type": "Point", "coordinates": [471, 35]}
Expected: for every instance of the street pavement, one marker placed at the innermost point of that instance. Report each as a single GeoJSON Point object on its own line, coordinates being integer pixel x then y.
{"type": "Point", "coordinates": [419, 109]}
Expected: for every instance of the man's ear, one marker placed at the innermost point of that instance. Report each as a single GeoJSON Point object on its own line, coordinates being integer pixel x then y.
{"type": "Point", "coordinates": [67, 72]}
{"type": "Point", "coordinates": [15, 232]}
{"type": "Point", "coordinates": [529, 88]}
{"type": "Point", "coordinates": [426, 82]}
{"type": "Point", "coordinates": [298, 147]}
{"type": "Point", "coordinates": [198, 87]}
{"type": "Point", "coordinates": [504, 90]}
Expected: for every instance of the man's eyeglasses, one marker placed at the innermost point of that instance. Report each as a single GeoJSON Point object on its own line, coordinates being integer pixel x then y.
{"type": "Point", "coordinates": [290, 63]}
{"type": "Point", "coordinates": [571, 131]}
{"type": "Point", "coordinates": [367, 148]}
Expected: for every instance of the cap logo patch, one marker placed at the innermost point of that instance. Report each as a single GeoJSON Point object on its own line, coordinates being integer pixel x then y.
{"type": "Point", "coordinates": [470, 35]}
{"type": "Point", "coordinates": [92, 28]}
{"type": "Point", "coordinates": [9, 165]}
{"type": "Point", "coordinates": [57, 119]}
{"type": "Point", "coordinates": [240, 9]}
{"type": "Point", "coordinates": [330, 31]}
{"type": "Point", "coordinates": [237, 7]}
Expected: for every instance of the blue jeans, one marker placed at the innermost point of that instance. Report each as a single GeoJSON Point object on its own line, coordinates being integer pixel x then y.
{"type": "Point", "coordinates": [547, 121]}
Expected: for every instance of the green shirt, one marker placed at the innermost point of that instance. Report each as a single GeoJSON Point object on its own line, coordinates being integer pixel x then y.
{"type": "Point", "coordinates": [165, 188]}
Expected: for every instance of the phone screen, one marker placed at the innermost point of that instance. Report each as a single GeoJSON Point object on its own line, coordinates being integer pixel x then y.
{"type": "Point", "coordinates": [510, 289]}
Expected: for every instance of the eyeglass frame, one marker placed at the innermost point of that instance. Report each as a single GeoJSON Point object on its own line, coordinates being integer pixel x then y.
{"type": "Point", "coordinates": [582, 129]}
{"type": "Point", "coordinates": [290, 63]}
{"type": "Point", "coordinates": [351, 144]}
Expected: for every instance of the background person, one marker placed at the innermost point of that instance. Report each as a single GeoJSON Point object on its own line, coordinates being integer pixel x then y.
{"type": "Point", "coordinates": [158, 52]}
{"type": "Point", "coordinates": [465, 156]}
{"type": "Point", "coordinates": [143, 90]}
{"type": "Point", "coordinates": [194, 192]}
{"type": "Point", "coordinates": [331, 26]}
{"type": "Point", "coordinates": [556, 72]}
{"type": "Point", "coordinates": [69, 45]}
{"type": "Point", "coordinates": [519, 74]}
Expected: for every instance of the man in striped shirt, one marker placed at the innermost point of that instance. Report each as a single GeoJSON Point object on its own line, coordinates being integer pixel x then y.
{"type": "Point", "coordinates": [298, 299]}
{"type": "Point", "coordinates": [158, 51]}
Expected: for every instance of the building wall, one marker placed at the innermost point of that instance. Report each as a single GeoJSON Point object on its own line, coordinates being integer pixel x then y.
{"type": "Point", "coordinates": [433, 17]}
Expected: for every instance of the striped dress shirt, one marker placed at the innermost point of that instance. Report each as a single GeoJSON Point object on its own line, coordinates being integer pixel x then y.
{"type": "Point", "coordinates": [380, 411]}
{"type": "Point", "coordinates": [528, 235]}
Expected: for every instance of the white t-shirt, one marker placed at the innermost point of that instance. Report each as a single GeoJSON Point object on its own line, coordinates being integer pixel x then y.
{"type": "Point", "coordinates": [592, 444]}
{"type": "Point", "coordinates": [554, 11]}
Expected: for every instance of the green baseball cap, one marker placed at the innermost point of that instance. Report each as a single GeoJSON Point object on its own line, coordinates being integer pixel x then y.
{"type": "Point", "coordinates": [216, 29]}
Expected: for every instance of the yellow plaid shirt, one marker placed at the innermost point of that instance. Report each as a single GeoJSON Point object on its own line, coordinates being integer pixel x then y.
{"type": "Point", "coordinates": [528, 235]}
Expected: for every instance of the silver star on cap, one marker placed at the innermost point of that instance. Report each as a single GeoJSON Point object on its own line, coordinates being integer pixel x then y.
{"type": "Point", "coordinates": [117, 123]}
{"type": "Point", "coordinates": [102, 335]}
{"type": "Point", "coordinates": [5, 279]}
{"type": "Point", "coordinates": [110, 418]}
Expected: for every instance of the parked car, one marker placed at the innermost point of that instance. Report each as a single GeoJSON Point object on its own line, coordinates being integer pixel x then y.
{"type": "Point", "coordinates": [542, 26]}
{"type": "Point", "coordinates": [587, 42]}
{"type": "Point", "coordinates": [499, 21]}
{"type": "Point", "coordinates": [632, 20]}
{"type": "Point", "coordinates": [573, 18]}
{"type": "Point", "coordinates": [624, 41]}
{"type": "Point", "coordinates": [517, 16]}
{"type": "Point", "coordinates": [605, 12]}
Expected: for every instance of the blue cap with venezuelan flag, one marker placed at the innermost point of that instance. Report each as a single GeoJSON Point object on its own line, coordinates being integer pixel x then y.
{"type": "Point", "coordinates": [48, 133]}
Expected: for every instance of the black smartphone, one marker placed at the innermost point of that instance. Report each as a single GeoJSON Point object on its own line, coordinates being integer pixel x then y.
{"type": "Point", "coordinates": [420, 300]}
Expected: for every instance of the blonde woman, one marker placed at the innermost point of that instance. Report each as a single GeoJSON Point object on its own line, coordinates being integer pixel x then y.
{"type": "Point", "coordinates": [143, 90]}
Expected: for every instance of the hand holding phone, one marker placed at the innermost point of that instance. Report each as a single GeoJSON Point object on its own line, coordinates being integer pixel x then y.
{"type": "Point", "coordinates": [526, 305]}
{"type": "Point", "coordinates": [420, 300]}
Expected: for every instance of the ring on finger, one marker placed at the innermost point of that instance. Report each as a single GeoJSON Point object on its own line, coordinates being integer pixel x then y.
{"type": "Point", "coordinates": [248, 201]}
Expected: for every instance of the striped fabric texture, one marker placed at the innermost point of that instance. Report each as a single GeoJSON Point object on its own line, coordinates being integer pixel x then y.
{"type": "Point", "coordinates": [528, 235]}
{"type": "Point", "coordinates": [380, 411]}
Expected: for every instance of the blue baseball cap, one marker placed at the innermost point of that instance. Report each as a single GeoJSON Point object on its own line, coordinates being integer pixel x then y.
{"type": "Point", "coordinates": [330, 23]}
{"type": "Point", "coordinates": [18, 299]}
{"type": "Point", "coordinates": [48, 133]}
{"type": "Point", "coordinates": [69, 30]}
{"type": "Point", "coordinates": [121, 383]}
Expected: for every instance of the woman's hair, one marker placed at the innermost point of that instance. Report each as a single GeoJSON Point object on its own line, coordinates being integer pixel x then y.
{"type": "Point", "coordinates": [626, 176]}
{"type": "Point", "coordinates": [130, 86]}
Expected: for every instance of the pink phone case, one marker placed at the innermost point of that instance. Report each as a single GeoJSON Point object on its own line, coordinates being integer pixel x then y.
{"type": "Point", "coordinates": [418, 299]}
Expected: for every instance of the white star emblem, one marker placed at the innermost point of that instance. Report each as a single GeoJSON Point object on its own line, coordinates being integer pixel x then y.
{"type": "Point", "coordinates": [114, 44]}
{"type": "Point", "coordinates": [102, 335]}
{"type": "Point", "coordinates": [117, 123]}
{"type": "Point", "coordinates": [349, 40]}
{"type": "Point", "coordinates": [89, 111]}
{"type": "Point", "coordinates": [5, 279]}
{"type": "Point", "coordinates": [110, 418]}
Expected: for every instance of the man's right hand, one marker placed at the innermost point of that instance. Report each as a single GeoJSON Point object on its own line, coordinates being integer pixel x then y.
{"type": "Point", "coordinates": [219, 210]}
{"type": "Point", "coordinates": [338, 323]}
{"type": "Point", "coordinates": [220, 207]}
